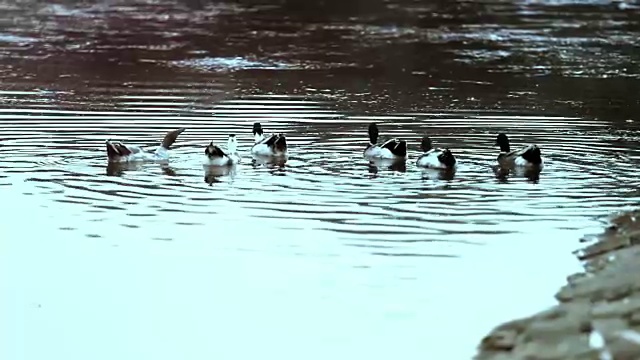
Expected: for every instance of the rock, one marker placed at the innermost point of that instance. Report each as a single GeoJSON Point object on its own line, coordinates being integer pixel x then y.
{"type": "Point", "coordinates": [500, 340]}
{"type": "Point", "coordinates": [605, 297]}
{"type": "Point", "coordinates": [634, 319]}
{"type": "Point", "coordinates": [621, 308]}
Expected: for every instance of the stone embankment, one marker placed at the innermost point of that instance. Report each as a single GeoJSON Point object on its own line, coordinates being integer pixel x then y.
{"type": "Point", "coordinates": [598, 315]}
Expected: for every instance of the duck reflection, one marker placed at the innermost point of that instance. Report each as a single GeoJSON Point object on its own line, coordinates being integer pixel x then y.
{"type": "Point", "coordinates": [503, 173]}
{"type": "Point", "coordinates": [376, 165]}
{"type": "Point", "coordinates": [168, 170]}
{"type": "Point", "coordinates": [212, 173]}
{"type": "Point", "coordinates": [275, 163]}
{"type": "Point", "coordinates": [118, 169]}
{"type": "Point", "coordinates": [438, 174]}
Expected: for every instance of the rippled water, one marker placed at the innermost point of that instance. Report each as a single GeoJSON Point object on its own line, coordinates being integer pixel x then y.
{"type": "Point", "coordinates": [325, 256]}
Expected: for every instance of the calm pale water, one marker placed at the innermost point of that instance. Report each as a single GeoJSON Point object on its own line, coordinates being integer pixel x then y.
{"type": "Point", "coordinates": [325, 256]}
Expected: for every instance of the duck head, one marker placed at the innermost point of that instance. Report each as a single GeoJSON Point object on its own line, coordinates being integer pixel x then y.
{"type": "Point", "coordinates": [503, 142]}
{"type": "Point", "coordinates": [425, 144]}
{"type": "Point", "coordinates": [257, 128]}
{"type": "Point", "coordinates": [373, 133]}
{"type": "Point", "coordinates": [257, 131]}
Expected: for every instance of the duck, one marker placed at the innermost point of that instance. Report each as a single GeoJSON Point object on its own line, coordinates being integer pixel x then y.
{"type": "Point", "coordinates": [435, 158]}
{"type": "Point", "coordinates": [215, 156]}
{"type": "Point", "coordinates": [527, 156]}
{"type": "Point", "coordinates": [272, 145]}
{"type": "Point", "coordinates": [119, 152]}
{"type": "Point", "coordinates": [391, 149]}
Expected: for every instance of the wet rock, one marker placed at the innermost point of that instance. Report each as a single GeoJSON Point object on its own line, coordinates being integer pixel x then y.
{"type": "Point", "coordinates": [500, 340]}
{"type": "Point", "coordinates": [603, 301]}
{"type": "Point", "coordinates": [616, 309]}
{"type": "Point", "coordinates": [634, 318]}
{"type": "Point", "coordinates": [623, 348]}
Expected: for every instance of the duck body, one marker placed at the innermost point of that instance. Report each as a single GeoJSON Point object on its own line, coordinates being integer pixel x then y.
{"type": "Point", "coordinates": [434, 158]}
{"type": "Point", "coordinates": [272, 145]}
{"type": "Point", "coordinates": [119, 152]}
{"type": "Point", "coordinates": [391, 149]}
{"type": "Point", "coordinates": [437, 159]}
{"type": "Point", "coordinates": [215, 156]}
{"type": "Point", "coordinates": [527, 156]}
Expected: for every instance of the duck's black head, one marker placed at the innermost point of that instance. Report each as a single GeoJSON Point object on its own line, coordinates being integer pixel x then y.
{"type": "Point", "coordinates": [257, 129]}
{"type": "Point", "coordinates": [503, 141]}
{"type": "Point", "coordinates": [425, 144]}
{"type": "Point", "coordinates": [373, 133]}
{"type": "Point", "coordinates": [447, 158]}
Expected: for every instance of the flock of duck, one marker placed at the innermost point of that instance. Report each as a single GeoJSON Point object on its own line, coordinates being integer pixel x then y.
{"type": "Point", "coordinates": [275, 146]}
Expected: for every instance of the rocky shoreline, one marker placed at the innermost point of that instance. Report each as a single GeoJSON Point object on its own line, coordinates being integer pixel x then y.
{"type": "Point", "coordinates": [598, 315]}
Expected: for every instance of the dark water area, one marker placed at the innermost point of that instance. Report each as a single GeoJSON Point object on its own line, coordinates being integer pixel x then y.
{"type": "Point", "coordinates": [327, 255]}
{"type": "Point", "coordinates": [571, 58]}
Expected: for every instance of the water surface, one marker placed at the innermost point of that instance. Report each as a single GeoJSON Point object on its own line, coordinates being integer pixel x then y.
{"type": "Point", "coordinates": [326, 255]}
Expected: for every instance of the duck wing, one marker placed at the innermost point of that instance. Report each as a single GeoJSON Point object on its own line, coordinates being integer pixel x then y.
{"type": "Point", "coordinates": [446, 157]}
{"type": "Point", "coordinates": [281, 143]}
{"type": "Point", "coordinates": [396, 146]}
{"type": "Point", "coordinates": [270, 141]}
{"type": "Point", "coordinates": [531, 154]}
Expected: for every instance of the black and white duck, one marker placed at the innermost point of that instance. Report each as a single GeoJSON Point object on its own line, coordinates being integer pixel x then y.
{"type": "Point", "coordinates": [390, 149]}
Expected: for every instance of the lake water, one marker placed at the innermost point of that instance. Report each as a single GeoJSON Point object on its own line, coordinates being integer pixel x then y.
{"type": "Point", "coordinates": [325, 256]}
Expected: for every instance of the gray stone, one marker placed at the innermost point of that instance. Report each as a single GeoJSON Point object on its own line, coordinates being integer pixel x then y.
{"type": "Point", "coordinates": [605, 297]}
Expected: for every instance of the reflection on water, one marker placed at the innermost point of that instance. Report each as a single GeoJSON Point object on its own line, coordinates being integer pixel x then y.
{"type": "Point", "coordinates": [271, 162]}
{"type": "Point", "coordinates": [504, 173]}
{"type": "Point", "coordinates": [439, 174]}
{"type": "Point", "coordinates": [390, 252]}
{"type": "Point", "coordinates": [387, 164]}
{"type": "Point", "coordinates": [212, 174]}
{"type": "Point", "coordinates": [326, 171]}
{"type": "Point", "coordinates": [119, 169]}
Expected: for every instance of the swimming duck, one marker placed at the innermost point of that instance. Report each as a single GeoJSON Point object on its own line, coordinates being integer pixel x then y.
{"type": "Point", "coordinates": [528, 156]}
{"type": "Point", "coordinates": [435, 158]}
{"type": "Point", "coordinates": [218, 157]}
{"type": "Point", "coordinates": [273, 145]}
{"type": "Point", "coordinates": [390, 149]}
{"type": "Point", "coordinates": [119, 152]}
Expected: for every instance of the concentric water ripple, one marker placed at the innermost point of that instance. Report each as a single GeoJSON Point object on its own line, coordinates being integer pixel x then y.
{"type": "Point", "coordinates": [326, 184]}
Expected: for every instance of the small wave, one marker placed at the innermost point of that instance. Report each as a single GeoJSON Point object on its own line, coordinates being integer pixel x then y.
{"type": "Point", "coordinates": [228, 64]}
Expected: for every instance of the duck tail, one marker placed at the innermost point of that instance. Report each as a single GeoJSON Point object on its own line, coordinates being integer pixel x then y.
{"type": "Point", "coordinates": [171, 137]}
{"type": "Point", "coordinates": [232, 144]}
